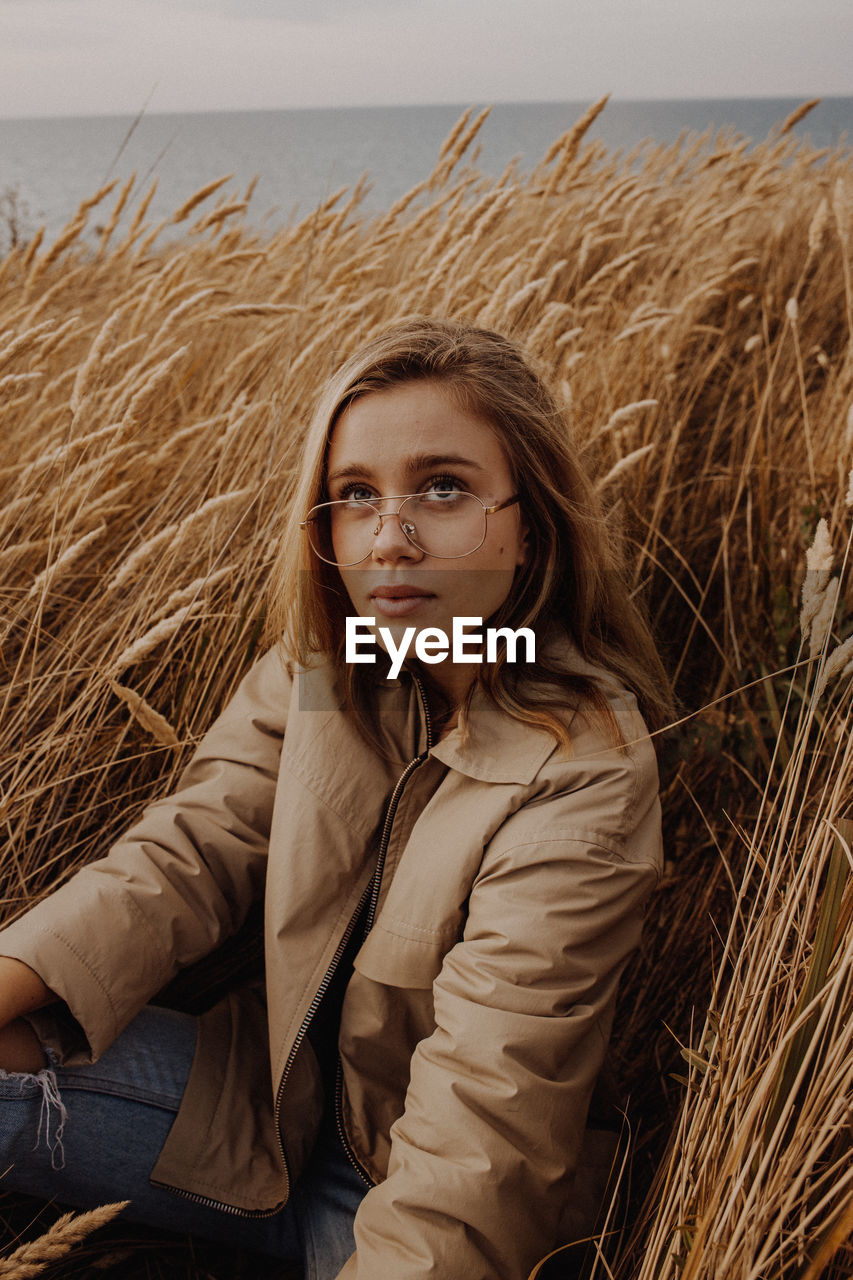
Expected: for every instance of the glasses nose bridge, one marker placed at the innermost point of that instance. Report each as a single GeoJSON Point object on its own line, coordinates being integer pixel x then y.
{"type": "Point", "coordinates": [400, 500]}
{"type": "Point", "coordinates": [394, 511]}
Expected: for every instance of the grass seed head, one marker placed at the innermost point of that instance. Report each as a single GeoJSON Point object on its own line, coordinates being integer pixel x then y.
{"type": "Point", "coordinates": [819, 556]}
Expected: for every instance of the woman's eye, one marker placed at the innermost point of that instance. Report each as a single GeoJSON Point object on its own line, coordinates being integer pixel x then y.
{"type": "Point", "coordinates": [357, 493]}
{"type": "Point", "coordinates": [444, 485]}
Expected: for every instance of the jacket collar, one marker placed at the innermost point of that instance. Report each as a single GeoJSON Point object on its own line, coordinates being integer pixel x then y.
{"type": "Point", "coordinates": [491, 748]}
{"type": "Point", "coordinates": [494, 747]}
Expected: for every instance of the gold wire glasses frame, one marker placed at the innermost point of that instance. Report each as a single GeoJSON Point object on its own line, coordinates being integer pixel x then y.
{"type": "Point", "coordinates": [315, 523]}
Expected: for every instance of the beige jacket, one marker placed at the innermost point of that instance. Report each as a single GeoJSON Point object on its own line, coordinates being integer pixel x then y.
{"type": "Point", "coordinates": [508, 899]}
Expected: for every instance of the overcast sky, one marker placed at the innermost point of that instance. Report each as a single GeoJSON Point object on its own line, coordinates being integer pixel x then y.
{"type": "Point", "coordinates": [80, 57]}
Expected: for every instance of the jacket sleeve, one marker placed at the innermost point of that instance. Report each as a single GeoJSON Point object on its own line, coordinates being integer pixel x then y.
{"type": "Point", "coordinates": [179, 882]}
{"type": "Point", "coordinates": [482, 1157]}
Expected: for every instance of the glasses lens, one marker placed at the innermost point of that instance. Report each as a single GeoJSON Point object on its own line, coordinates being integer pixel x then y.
{"type": "Point", "coordinates": [342, 533]}
{"type": "Point", "coordinates": [447, 525]}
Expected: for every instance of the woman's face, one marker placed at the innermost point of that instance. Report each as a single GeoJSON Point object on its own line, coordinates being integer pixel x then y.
{"type": "Point", "coordinates": [414, 439]}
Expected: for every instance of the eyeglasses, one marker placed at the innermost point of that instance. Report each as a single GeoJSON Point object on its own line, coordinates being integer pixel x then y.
{"type": "Point", "coordinates": [446, 525]}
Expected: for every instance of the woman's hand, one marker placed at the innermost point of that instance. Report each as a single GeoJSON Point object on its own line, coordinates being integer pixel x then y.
{"type": "Point", "coordinates": [21, 991]}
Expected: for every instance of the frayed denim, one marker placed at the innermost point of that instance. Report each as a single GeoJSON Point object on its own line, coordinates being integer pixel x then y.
{"type": "Point", "coordinates": [91, 1135]}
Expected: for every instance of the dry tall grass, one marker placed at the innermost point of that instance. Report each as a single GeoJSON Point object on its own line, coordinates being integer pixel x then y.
{"type": "Point", "coordinates": [695, 305]}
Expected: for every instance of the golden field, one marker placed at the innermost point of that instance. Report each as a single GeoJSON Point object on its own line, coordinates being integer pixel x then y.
{"type": "Point", "coordinates": [693, 306]}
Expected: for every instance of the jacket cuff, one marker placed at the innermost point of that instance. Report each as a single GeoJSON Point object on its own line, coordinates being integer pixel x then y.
{"type": "Point", "coordinates": [59, 1032]}
{"type": "Point", "coordinates": [82, 1023]}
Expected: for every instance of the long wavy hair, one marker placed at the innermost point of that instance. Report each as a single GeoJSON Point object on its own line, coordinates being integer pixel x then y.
{"type": "Point", "coordinates": [574, 582]}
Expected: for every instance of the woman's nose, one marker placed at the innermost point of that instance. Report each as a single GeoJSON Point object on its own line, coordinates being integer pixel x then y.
{"type": "Point", "coordinates": [390, 542]}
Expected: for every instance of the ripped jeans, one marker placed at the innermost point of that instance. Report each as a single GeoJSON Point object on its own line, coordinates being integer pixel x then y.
{"type": "Point", "coordinates": [90, 1135]}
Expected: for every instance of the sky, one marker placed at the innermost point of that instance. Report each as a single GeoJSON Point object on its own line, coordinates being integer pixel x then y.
{"type": "Point", "coordinates": [99, 57]}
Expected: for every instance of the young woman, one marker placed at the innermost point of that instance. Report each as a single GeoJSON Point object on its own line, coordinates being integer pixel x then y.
{"type": "Point", "coordinates": [453, 864]}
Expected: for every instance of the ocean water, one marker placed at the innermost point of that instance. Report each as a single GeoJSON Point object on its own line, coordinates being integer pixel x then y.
{"type": "Point", "coordinates": [48, 166]}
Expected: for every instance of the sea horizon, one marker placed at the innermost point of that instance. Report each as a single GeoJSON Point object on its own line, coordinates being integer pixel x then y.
{"type": "Point", "coordinates": [50, 164]}
{"type": "Point", "coordinates": [461, 104]}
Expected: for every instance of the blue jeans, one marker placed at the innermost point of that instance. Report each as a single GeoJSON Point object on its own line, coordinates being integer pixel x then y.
{"type": "Point", "coordinates": [91, 1135]}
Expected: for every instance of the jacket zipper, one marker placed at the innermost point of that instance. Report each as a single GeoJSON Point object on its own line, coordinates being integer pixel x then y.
{"type": "Point", "coordinates": [306, 1021]}
{"type": "Point", "coordinates": [371, 893]}
{"type": "Point", "coordinates": [376, 884]}
{"type": "Point", "coordinates": [218, 1204]}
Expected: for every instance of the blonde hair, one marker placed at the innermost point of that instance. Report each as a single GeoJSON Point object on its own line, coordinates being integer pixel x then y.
{"type": "Point", "coordinates": [574, 581]}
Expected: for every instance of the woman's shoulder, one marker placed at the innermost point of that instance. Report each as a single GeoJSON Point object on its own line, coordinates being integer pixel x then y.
{"type": "Point", "coordinates": [276, 677]}
{"type": "Point", "coordinates": [597, 708]}
{"type": "Point", "coordinates": [602, 786]}
{"type": "Point", "coordinates": [597, 785]}
{"type": "Point", "coordinates": [608, 732]}
{"type": "Point", "coordinates": [267, 682]}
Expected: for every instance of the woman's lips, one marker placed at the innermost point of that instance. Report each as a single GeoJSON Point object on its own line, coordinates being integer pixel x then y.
{"type": "Point", "coordinates": [398, 601]}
